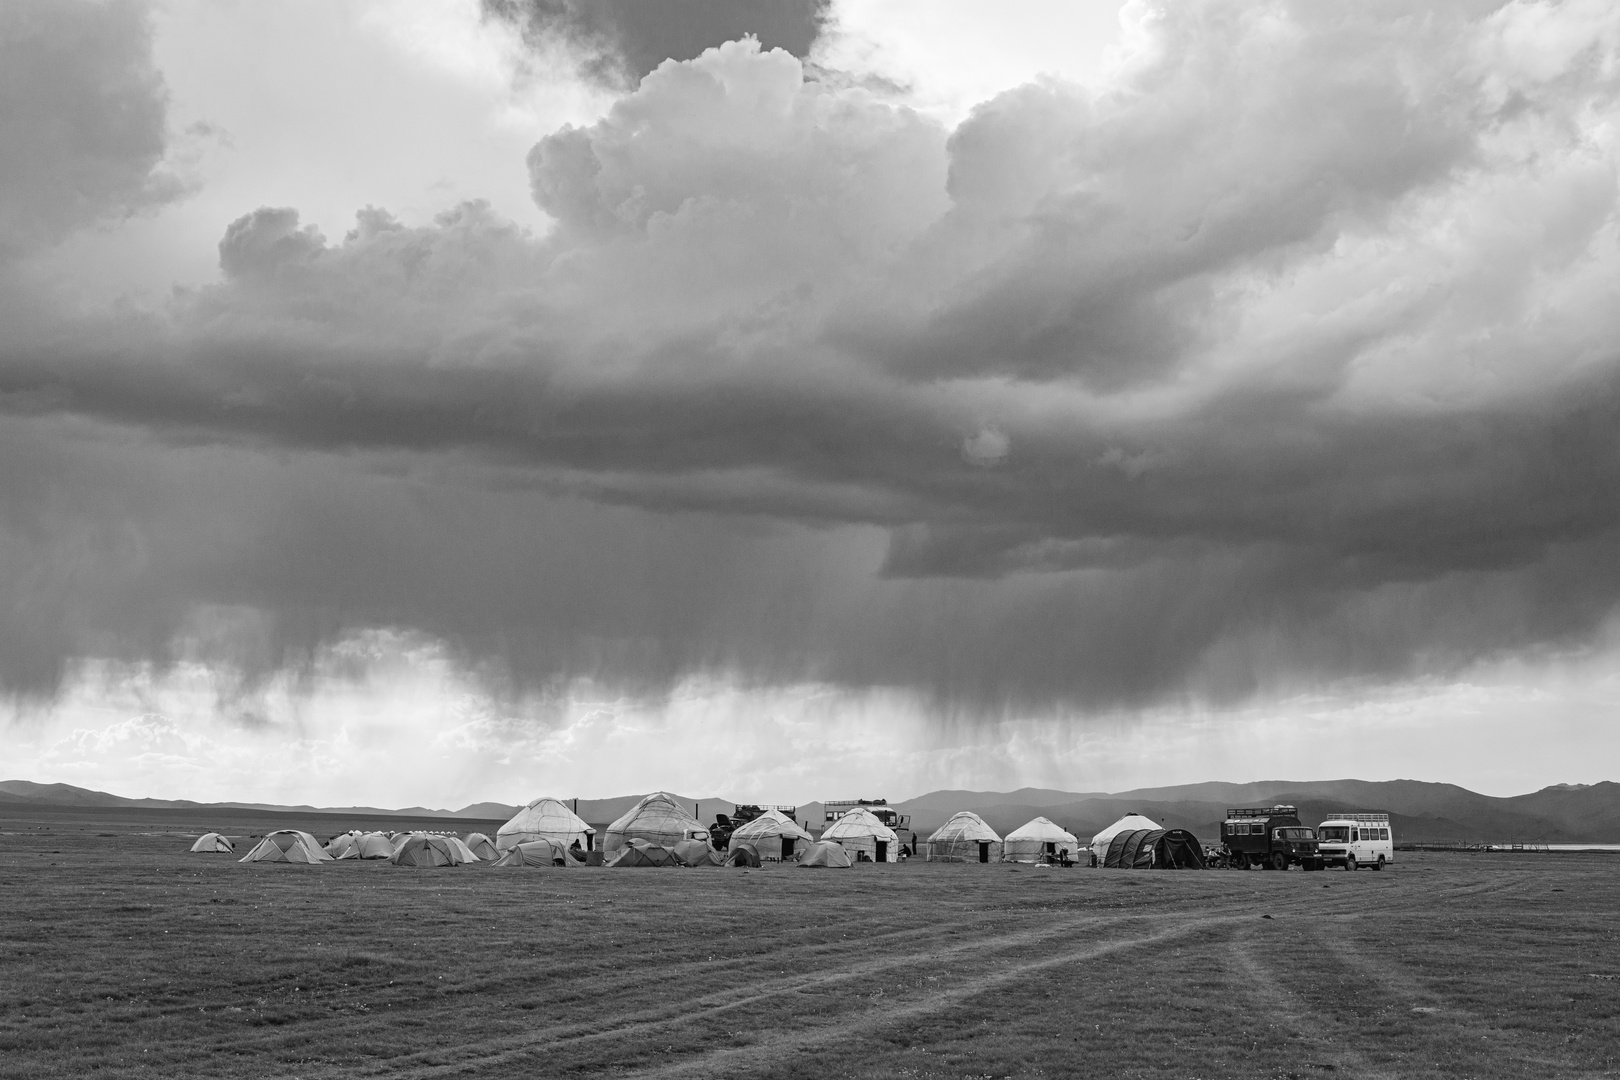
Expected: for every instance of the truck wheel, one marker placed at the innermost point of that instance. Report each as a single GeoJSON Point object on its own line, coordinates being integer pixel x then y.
{"type": "Point", "coordinates": [1379, 865]}
{"type": "Point", "coordinates": [1279, 861]}
{"type": "Point", "coordinates": [1240, 861]}
{"type": "Point", "coordinates": [1349, 862]}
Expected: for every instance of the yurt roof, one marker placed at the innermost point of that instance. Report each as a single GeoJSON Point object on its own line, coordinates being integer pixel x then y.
{"type": "Point", "coordinates": [660, 806]}
{"type": "Point", "coordinates": [1129, 821]}
{"type": "Point", "coordinates": [770, 823]}
{"type": "Point", "coordinates": [964, 825]}
{"type": "Point", "coordinates": [546, 815]}
{"type": "Point", "coordinates": [858, 822]}
{"type": "Point", "coordinates": [1044, 831]}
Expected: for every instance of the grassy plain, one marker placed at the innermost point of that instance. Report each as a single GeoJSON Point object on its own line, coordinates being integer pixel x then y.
{"type": "Point", "coordinates": [123, 955]}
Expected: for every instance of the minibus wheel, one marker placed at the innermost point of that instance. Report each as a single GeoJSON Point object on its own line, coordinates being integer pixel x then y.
{"type": "Point", "coordinates": [1380, 864]}
{"type": "Point", "coordinates": [1350, 862]}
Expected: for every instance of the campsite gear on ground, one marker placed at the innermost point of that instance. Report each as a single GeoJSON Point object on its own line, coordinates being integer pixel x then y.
{"type": "Point", "coordinates": [1037, 841]}
{"type": "Point", "coordinates": [431, 849]}
{"type": "Point", "coordinates": [213, 842]}
{"type": "Point", "coordinates": [547, 853]}
{"type": "Point", "coordinates": [287, 845]}
{"type": "Point", "coordinates": [659, 819]}
{"type": "Point", "coordinates": [964, 838]}
{"type": "Point", "coordinates": [1271, 837]}
{"type": "Point", "coordinates": [773, 835]}
{"type": "Point", "coordinates": [545, 819]}
{"type": "Point", "coordinates": [1356, 838]}
{"type": "Point", "coordinates": [859, 832]}
{"type": "Point", "coordinates": [1154, 849]}
{"type": "Point", "coordinates": [825, 853]}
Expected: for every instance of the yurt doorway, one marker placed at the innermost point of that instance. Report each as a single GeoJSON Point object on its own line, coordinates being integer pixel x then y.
{"type": "Point", "coordinates": [787, 848]}
{"type": "Point", "coordinates": [882, 850]}
{"type": "Point", "coordinates": [984, 851]}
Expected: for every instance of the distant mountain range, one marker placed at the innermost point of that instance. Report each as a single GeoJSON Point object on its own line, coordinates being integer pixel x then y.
{"type": "Point", "coordinates": [1419, 811]}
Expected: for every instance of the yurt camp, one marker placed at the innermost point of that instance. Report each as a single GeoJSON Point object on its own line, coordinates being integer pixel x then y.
{"type": "Point", "coordinates": [213, 842]}
{"type": "Point", "coordinates": [287, 845]}
{"type": "Point", "coordinates": [545, 819]}
{"type": "Point", "coordinates": [773, 835]}
{"type": "Point", "coordinates": [864, 837]}
{"type": "Point", "coordinates": [658, 819]}
{"type": "Point", "coordinates": [964, 838]}
{"type": "Point", "coordinates": [431, 849]}
{"type": "Point", "coordinates": [1039, 840]}
{"type": "Point", "coordinates": [1129, 823]}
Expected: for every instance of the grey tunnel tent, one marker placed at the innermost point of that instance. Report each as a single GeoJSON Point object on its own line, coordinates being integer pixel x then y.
{"type": "Point", "coordinates": [1155, 849]}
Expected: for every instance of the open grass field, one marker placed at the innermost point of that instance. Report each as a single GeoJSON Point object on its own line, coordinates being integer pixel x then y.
{"type": "Point", "coordinates": [123, 955]}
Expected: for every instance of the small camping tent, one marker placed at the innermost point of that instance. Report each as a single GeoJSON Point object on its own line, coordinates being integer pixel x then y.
{"type": "Point", "coordinates": [658, 819]}
{"type": "Point", "coordinates": [859, 832]}
{"type": "Point", "coordinates": [535, 853]}
{"type": "Point", "coordinates": [825, 853]}
{"type": "Point", "coordinates": [431, 849]}
{"type": "Point", "coordinates": [963, 838]}
{"type": "Point", "coordinates": [694, 853]}
{"type": "Point", "coordinates": [213, 842]}
{"type": "Point", "coordinates": [1129, 823]}
{"type": "Point", "coordinates": [773, 836]}
{"type": "Point", "coordinates": [1155, 849]}
{"type": "Point", "coordinates": [344, 846]}
{"type": "Point", "coordinates": [480, 846]}
{"type": "Point", "coordinates": [743, 855]}
{"type": "Point", "coordinates": [287, 845]}
{"type": "Point", "coordinates": [374, 845]}
{"type": "Point", "coordinates": [1037, 841]}
{"type": "Point", "coordinates": [545, 819]}
{"type": "Point", "coordinates": [640, 853]}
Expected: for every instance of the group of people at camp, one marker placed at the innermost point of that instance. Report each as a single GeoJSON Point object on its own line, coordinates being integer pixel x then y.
{"type": "Point", "coordinates": [660, 831]}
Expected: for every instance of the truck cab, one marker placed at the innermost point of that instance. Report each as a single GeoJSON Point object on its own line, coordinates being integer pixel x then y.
{"type": "Point", "coordinates": [1271, 837]}
{"type": "Point", "coordinates": [1356, 839]}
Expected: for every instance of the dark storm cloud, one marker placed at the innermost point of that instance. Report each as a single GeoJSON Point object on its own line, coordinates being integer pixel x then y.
{"type": "Point", "coordinates": [1169, 389]}
{"type": "Point", "coordinates": [626, 39]}
{"type": "Point", "coordinates": [82, 112]}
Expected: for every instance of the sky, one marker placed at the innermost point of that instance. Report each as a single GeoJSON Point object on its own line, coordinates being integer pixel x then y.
{"type": "Point", "coordinates": [424, 403]}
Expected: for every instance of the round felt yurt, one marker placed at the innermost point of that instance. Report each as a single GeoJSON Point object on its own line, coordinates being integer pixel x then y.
{"type": "Point", "coordinates": [773, 835]}
{"type": "Point", "coordinates": [864, 837]}
{"type": "Point", "coordinates": [1039, 841]}
{"type": "Point", "coordinates": [658, 819]}
{"type": "Point", "coordinates": [545, 819]}
{"type": "Point", "coordinates": [964, 838]}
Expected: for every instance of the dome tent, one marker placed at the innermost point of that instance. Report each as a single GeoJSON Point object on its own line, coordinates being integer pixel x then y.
{"type": "Point", "coordinates": [344, 845]}
{"type": "Point", "coordinates": [1154, 849]}
{"type": "Point", "coordinates": [658, 819]}
{"type": "Point", "coordinates": [639, 852]}
{"type": "Point", "coordinates": [1037, 840]}
{"type": "Point", "coordinates": [287, 845]}
{"type": "Point", "coordinates": [213, 842]}
{"type": "Point", "coordinates": [773, 836]}
{"type": "Point", "coordinates": [480, 846]}
{"type": "Point", "coordinates": [545, 819]}
{"type": "Point", "coordinates": [534, 853]}
{"type": "Point", "coordinates": [374, 845]}
{"type": "Point", "coordinates": [859, 832]}
{"type": "Point", "coordinates": [1130, 822]}
{"type": "Point", "coordinates": [695, 853]}
{"type": "Point", "coordinates": [742, 855]}
{"type": "Point", "coordinates": [963, 838]}
{"type": "Point", "coordinates": [431, 849]}
{"type": "Point", "coordinates": [825, 853]}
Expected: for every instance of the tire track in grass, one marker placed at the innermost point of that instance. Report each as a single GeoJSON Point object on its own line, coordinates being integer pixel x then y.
{"type": "Point", "coordinates": [749, 1059]}
{"type": "Point", "coordinates": [685, 1014]}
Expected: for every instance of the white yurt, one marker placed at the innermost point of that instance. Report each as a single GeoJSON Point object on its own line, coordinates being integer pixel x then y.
{"type": "Point", "coordinates": [287, 845]}
{"type": "Point", "coordinates": [773, 835]}
{"type": "Point", "coordinates": [1131, 821]}
{"type": "Point", "coordinates": [964, 838]}
{"type": "Point", "coordinates": [1038, 839]}
{"type": "Point", "coordinates": [658, 819]}
{"type": "Point", "coordinates": [860, 832]}
{"type": "Point", "coordinates": [213, 842]}
{"type": "Point", "coordinates": [545, 819]}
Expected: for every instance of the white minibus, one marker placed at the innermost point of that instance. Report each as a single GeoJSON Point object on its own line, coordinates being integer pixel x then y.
{"type": "Point", "coordinates": [1356, 839]}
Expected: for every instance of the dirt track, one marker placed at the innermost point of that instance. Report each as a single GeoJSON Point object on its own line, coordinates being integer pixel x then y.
{"type": "Point", "coordinates": [155, 962]}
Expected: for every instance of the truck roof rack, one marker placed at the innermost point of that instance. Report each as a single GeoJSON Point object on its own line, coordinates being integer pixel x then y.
{"type": "Point", "coordinates": [1259, 811]}
{"type": "Point", "coordinates": [1359, 815]}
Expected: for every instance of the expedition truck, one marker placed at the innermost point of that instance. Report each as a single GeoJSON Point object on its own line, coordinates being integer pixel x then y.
{"type": "Point", "coordinates": [1356, 839]}
{"type": "Point", "coordinates": [1270, 837]}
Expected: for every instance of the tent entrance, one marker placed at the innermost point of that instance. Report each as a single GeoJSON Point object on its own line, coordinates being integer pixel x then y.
{"type": "Point", "coordinates": [984, 851]}
{"type": "Point", "coordinates": [882, 850]}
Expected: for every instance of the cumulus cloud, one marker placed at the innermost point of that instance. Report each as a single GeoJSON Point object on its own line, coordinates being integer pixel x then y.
{"type": "Point", "coordinates": [82, 119]}
{"type": "Point", "coordinates": [1297, 334]}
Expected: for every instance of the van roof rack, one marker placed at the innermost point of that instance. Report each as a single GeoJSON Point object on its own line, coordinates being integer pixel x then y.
{"type": "Point", "coordinates": [1359, 815]}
